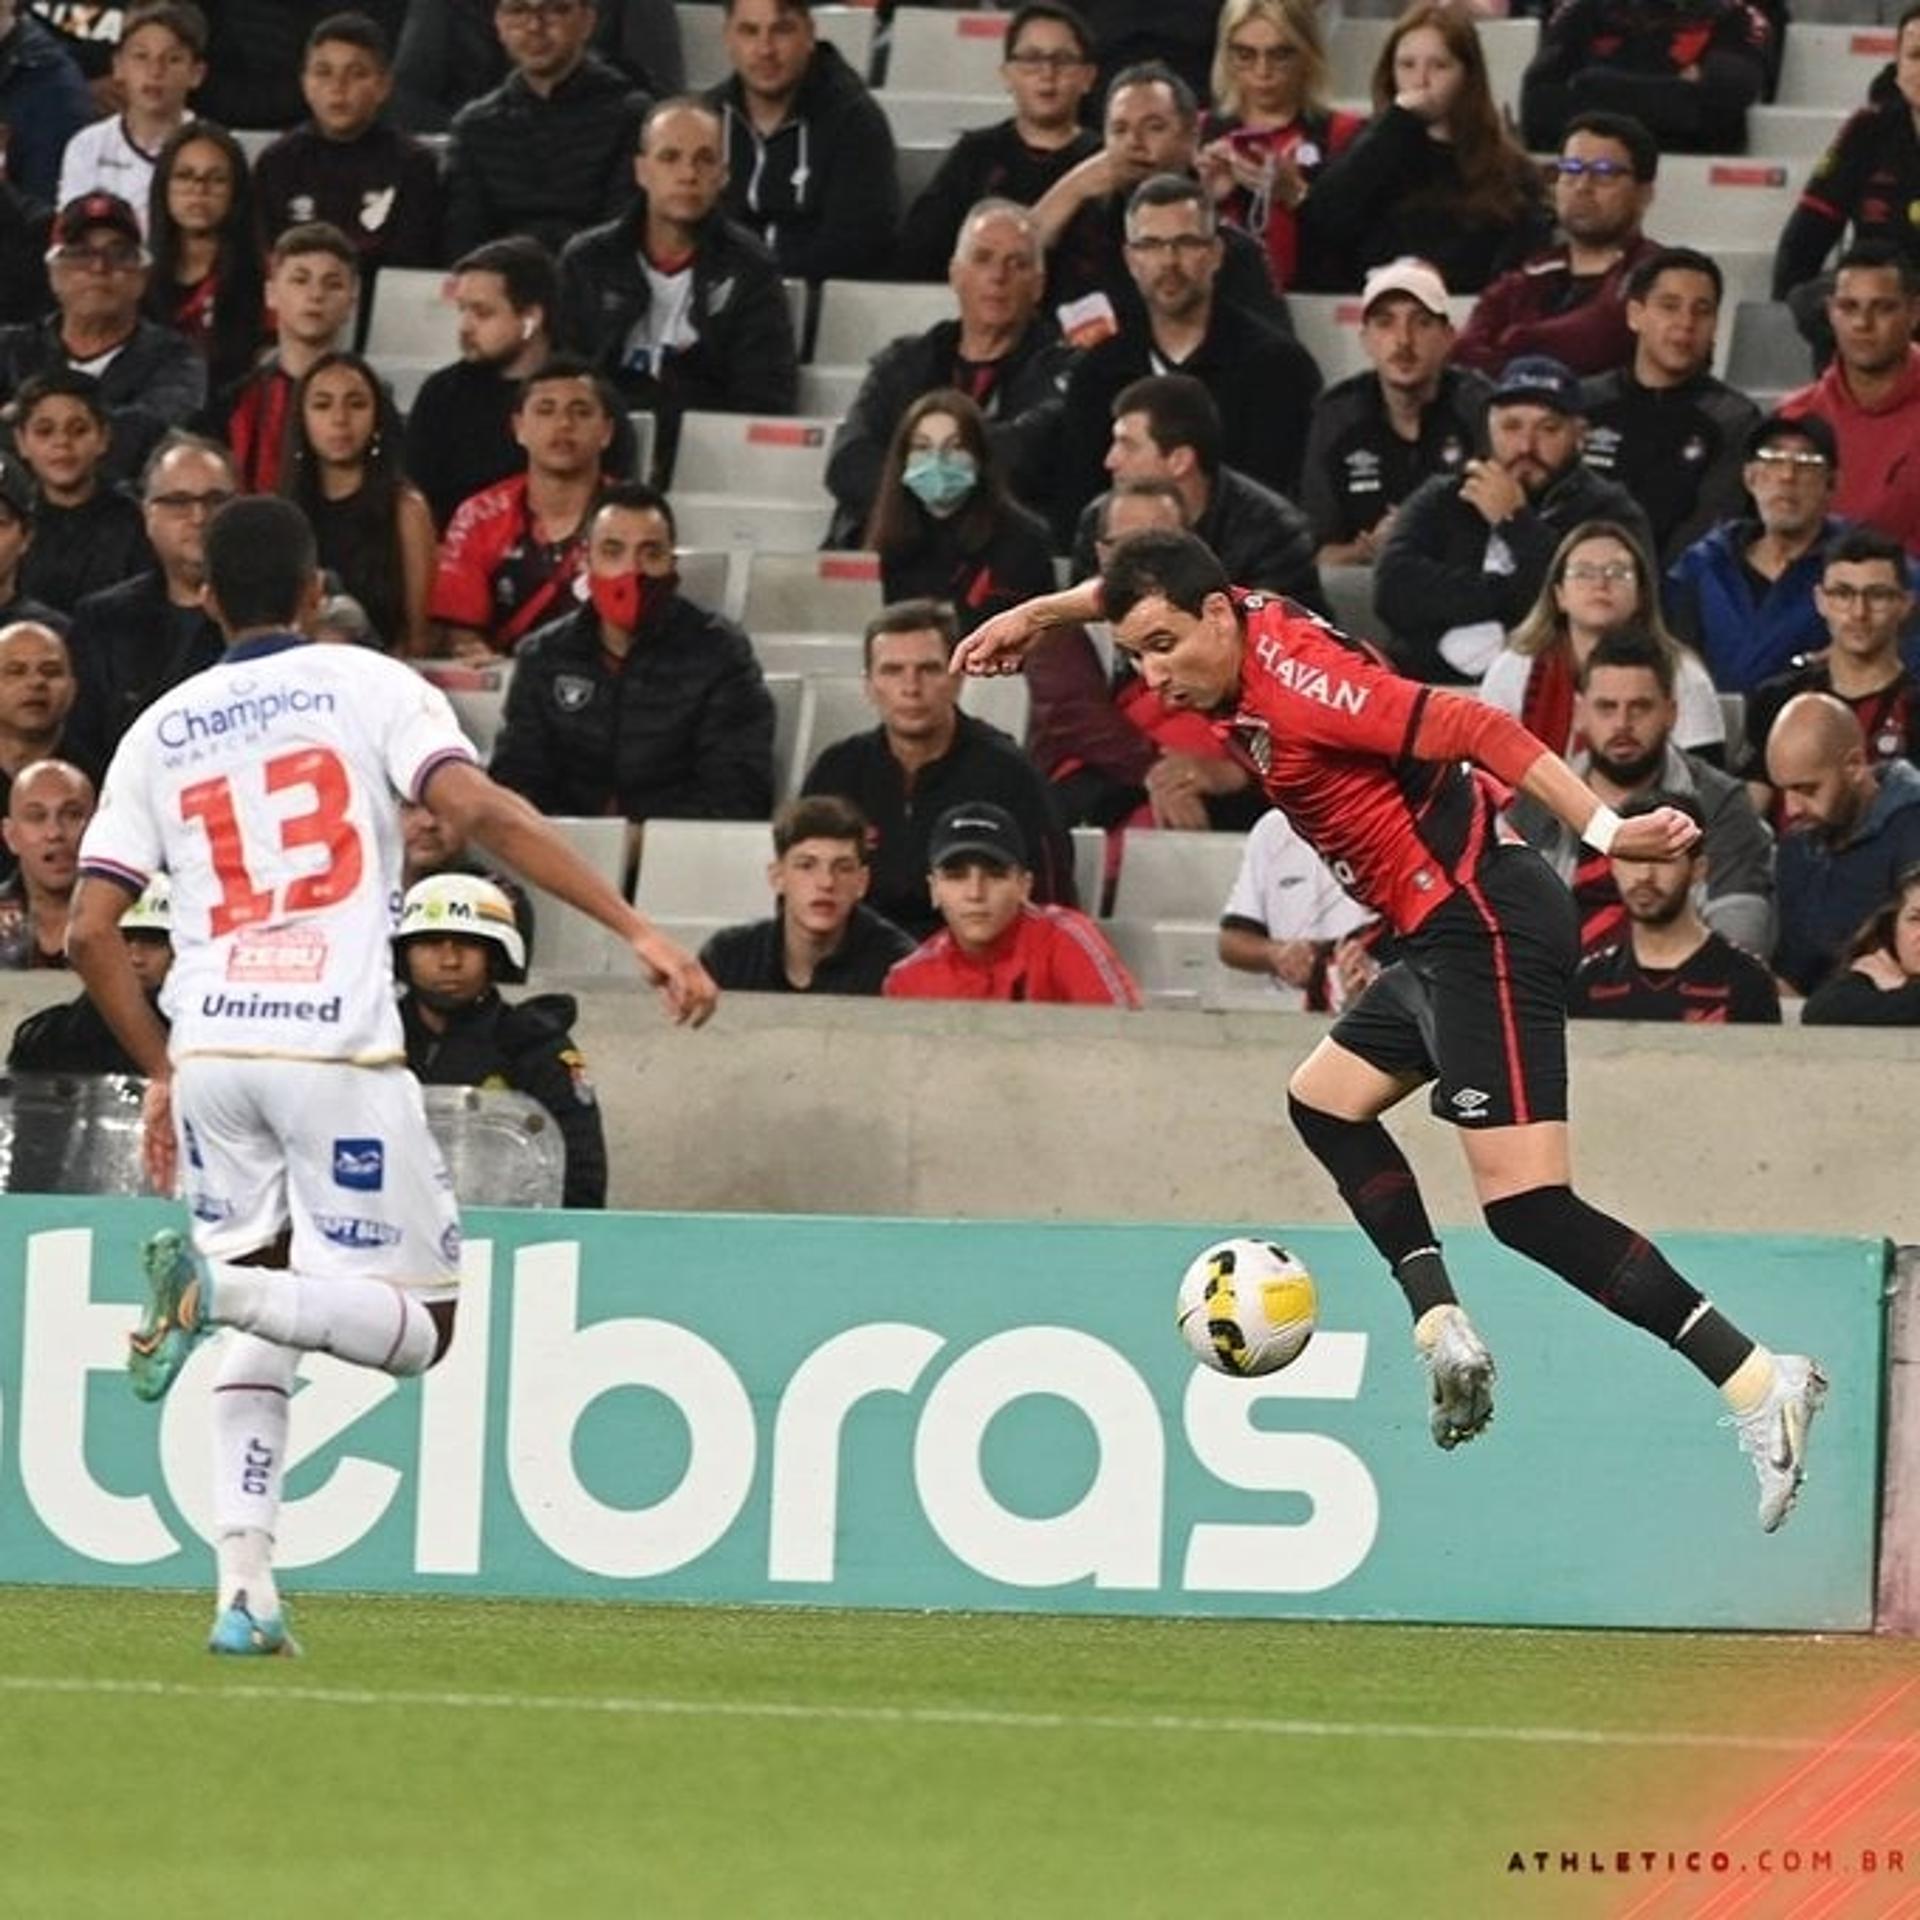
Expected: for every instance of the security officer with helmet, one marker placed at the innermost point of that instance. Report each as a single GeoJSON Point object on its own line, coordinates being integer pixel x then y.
{"type": "Point", "coordinates": [74, 1036]}
{"type": "Point", "coordinates": [457, 940]}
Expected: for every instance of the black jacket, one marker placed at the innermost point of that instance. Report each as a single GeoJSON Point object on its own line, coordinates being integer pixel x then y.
{"type": "Point", "coordinates": [1090, 256]}
{"type": "Point", "coordinates": [529, 1049]}
{"type": "Point", "coordinates": [382, 191]}
{"type": "Point", "coordinates": [985, 162]}
{"type": "Point", "coordinates": [43, 104]}
{"type": "Point", "coordinates": [77, 551]}
{"type": "Point", "coordinates": [545, 166]}
{"type": "Point", "coordinates": [1432, 574]}
{"type": "Point", "coordinates": [130, 644]}
{"type": "Point", "coordinates": [1263, 381]}
{"type": "Point", "coordinates": [1023, 408]}
{"type": "Point", "coordinates": [1015, 563]}
{"type": "Point", "coordinates": [684, 731]}
{"type": "Point", "coordinates": [982, 764]}
{"type": "Point", "coordinates": [1260, 537]}
{"type": "Point", "coordinates": [154, 382]}
{"type": "Point", "coordinates": [820, 190]}
{"type": "Point", "coordinates": [745, 359]}
{"type": "Point", "coordinates": [753, 958]}
{"type": "Point", "coordinates": [72, 1037]}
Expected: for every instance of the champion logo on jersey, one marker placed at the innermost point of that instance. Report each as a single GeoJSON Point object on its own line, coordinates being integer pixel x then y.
{"type": "Point", "coordinates": [360, 1165]}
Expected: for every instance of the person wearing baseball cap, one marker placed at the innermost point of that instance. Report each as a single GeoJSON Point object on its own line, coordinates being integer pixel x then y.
{"type": "Point", "coordinates": [996, 944]}
{"type": "Point", "coordinates": [150, 377]}
{"type": "Point", "coordinates": [1375, 436]}
{"type": "Point", "coordinates": [1468, 552]}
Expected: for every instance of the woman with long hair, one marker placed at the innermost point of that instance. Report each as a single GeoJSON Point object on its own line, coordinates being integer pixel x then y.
{"type": "Point", "coordinates": [206, 280]}
{"type": "Point", "coordinates": [1435, 171]}
{"type": "Point", "coordinates": [373, 527]}
{"type": "Point", "coordinates": [1598, 580]}
{"type": "Point", "coordinates": [1880, 984]}
{"type": "Point", "coordinates": [1271, 130]}
{"type": "Point", "coordinates": [943, 523]}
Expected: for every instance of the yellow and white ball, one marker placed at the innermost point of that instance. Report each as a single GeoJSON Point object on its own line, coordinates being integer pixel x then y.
{"type": "Point", "coordinates": [1246, 1307]}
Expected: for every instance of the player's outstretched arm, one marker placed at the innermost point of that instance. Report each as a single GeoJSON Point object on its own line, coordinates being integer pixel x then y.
{"type": "Point", "coordinates": [99, 957]}
{"type": "Point", "coordinates": [998, 645]}
{"type": "Point", "coordinates": [507, 825]}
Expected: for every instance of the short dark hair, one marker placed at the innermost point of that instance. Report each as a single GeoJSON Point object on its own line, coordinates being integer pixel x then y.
{"type": "Point", "coordinates": [1879, 255]}
{"type": "Point", "coordinates": [1908, 13]}
{"type": "Point", "coordinates": [58, 383]}
{"type": "Point", "coordinates": [1643, 803]}
{"type": "Point", "coordinates": [1180, 413]}
{"type": "Point", "coordinates": [525, 267]}
{"type": "Point", "coordinates": [1624, 131]}
{"type": "Point", "coordinates": [569, 366]}
{"type": "Point", "coordinates": [1857, 546]}
{"type": "Point", "coordinates": [314, 236]}
{"type": "Point", "coordinates": [1173, 190]}
{"type": "Point", "coordinates": [181, 18]}
{"type": "Point", "coordinates": [1178, 566]}
{"type": "Point", "coordinates": [910, 616]}
{"type": "Point", "coordinates": [261, 559]}
{"type": "Point", "coordinates": [1630, 645]}
{"type": "Point", "coordinates": [351, 30]}
{"type": "Point", "coordinates": [1064, 15]}
{"type": "Point", "coordinates": [785, 6]}
{"type": "Point", "coordinates": [633, 496]}
{"type": "Point", "coordinates": [1676, 260]}
{"type": "Point", "coordinates": [1141, 490]}
{"type": "Point", "coordinates": [819, 816]}
{"type": "Point", "coordinates": [1156, 73]}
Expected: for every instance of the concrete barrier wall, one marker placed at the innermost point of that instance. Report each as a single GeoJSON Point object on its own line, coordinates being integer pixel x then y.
{"type": "Point", "coordinates": [1018, 1112]}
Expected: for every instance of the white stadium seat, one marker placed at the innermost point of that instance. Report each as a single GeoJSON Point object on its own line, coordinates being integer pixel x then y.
{"type": "Point", "coordinates": [745, 480]}
{"type": "Point", "coordinates": [1768, 354]}
{"type": "Point", "coordinates": [1004, 701]}
{"type": "Point", "coordinates": [1176, 876]}
{"type": "Point", "coordinates": [811, 655]}
{"type": "Point", "coordinates": [704, 871]}
{"type": "Point", "coordinates": [792, 718]}
{"type": "Point", "coordinates": [1831, 66]}
{"type": "Point", "coordinates": [833, 593]}
{"type": "Point", "coordinates": [840, 709]}
{"type": "Point", "coordinates": [566, 941]}
{"type": "Point", "coordinates": [412, 318]}
{"type": "Point", "coordinates": [935, 50]}
{"type": "Point", "coordinates": [859, 317]}
{"type": "Point", "coordinates": [917, 118]}
{"type": "Point", "coordinates": [1717, 203]}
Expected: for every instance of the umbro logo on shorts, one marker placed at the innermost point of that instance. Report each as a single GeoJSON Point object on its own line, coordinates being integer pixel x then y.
{"type": "Point", "coordinates": [1470, 1103]}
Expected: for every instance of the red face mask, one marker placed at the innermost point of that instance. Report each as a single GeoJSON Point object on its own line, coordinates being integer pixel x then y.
{"type": "Point", "coordinates": [623, 599]}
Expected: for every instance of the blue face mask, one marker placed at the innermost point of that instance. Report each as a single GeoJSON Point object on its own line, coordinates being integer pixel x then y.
{"type": "Point", "coordinates": [941, 482]}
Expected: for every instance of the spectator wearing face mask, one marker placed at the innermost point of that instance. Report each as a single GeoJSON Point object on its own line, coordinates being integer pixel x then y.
{"type": "Point", "coordinates": [944, 525]}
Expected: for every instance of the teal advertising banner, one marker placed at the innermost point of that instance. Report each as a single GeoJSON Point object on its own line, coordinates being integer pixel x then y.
{"type": "Point", "coordinates": [897, 1413]}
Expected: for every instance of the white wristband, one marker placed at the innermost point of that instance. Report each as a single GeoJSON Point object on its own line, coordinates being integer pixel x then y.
{"type": "Point", "coordinates": [1599, 831]}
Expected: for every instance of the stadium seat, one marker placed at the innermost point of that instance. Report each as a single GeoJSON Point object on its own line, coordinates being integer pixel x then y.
{"type": "Point", "coordinates": [859, 317]}
{"type": "Point", "coordinates": [711, 872]}
{"type": "Point", "coordinates": [934, 50]}
{"type": "Point", "coordinates": [829, 391]}
{"type": "Point", "coordinates": [1715, 203]}
{"type": "Point", "coordinates": [1766, 354]}
{"type": "Point", "coordinates": [830, 593]}
{"type": "Point", "coordinates": [1176, 876]}
{"type": "Point", "coordinates": [1791, 133]}
{"type": "Point", "coordinates": [1733, 716]}
{"type": "Point", "coordinates": [645, 426]}
{"type": "Point", "coordinates": [811, 655]}
{"type": "Point", "coordinates": [915, 165]}
{"type": "Point", "coordinates": [1831, 66]}
{"type": "Point", "coordinates": [1349, 592]}
{"type": "Point", "coordinates": [412, 318]}
{"type": "Point", "coordinates": [478, 696]}
{"type": "Point", "coordinates": [1175, 963]}
{"type": "Point", "coordinates": [1354, 45]}
{"type": "Point", "coordinates": [918, 118]}
{"type": "Point", "coordinates": [1089, 866]}
{"type": "Point", "coordinates": [706, 578]}
{"type": "Point", "coordinates": [792, 710]}
{"type": "Point", "coordinates": [1004, 701]}
{"type": "Point", "coordinates": [566, 941]}
{"type": "Point", "coordinates": [742, 480]}
{"type": "Point", "coordinates": [840, 709]}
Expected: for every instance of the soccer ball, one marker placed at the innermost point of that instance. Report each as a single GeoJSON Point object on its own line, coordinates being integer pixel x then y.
{"type": "Point", "coordinates": [1246, 1307]}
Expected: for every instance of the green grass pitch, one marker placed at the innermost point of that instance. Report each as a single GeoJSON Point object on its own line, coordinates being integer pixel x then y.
{"type": "Point", "coordinates": [480, 1759]}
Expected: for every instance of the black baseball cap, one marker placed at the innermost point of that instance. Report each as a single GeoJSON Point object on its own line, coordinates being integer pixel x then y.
{"type": "Point", "coordinates": [1810, 427]}
{"type": "Point", "coordinates": [979, 829]}
{"type": "Point", "coordinates": [1539, 379]}
{"type": "Point", "coordinates": [79, 217]}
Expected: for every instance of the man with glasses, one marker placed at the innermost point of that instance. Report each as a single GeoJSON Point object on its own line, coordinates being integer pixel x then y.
{"type": "Point", "coordinates": [1663, 426]}
{"type": "Point", "coordinates": [134, 642]}
{"type": "Point", "coordinates": [1870, 394]}
{"type": "Point", "coordinates": [1569, 302]}
{"type": "Point", "coordinates": [150, 377]}
{"type": "Point", "coordinates": [1262, 380]}
{"type": "Point", "coordinates": [549, 150]}
{"type": "Point", "coordinates": [1865, 597]}
{"type": "Point", "coordinates": [1742, 596]}
{"type": "Point", "coordinates": [1048, 69]}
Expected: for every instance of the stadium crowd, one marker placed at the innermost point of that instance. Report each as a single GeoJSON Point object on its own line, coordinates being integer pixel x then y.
{"type": "Point", "coordinates": [1443, 363]}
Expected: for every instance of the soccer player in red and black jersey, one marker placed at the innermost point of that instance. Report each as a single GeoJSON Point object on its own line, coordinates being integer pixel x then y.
{"type": "Point", "coordinates": [1370, 769]}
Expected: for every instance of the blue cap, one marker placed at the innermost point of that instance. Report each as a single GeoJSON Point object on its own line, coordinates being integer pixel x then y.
{"type": "Point", "coordinates": [1539, 379]}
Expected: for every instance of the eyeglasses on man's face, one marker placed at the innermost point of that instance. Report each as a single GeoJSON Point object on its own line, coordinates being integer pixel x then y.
{"type": "Point", "coordinates": [209, 503]}
{"type": "Point", "coordinates": [1598, 171]}
{"type": "Point", "coordinates": [1592, 573]}
{"type": "Point", "coordinates": [1799, 459]}
{"type": "Point", "coordinates": [1153, 246]}
{"type": "Point", "coordinates": [120, 256]}
{"type": "Point", "coordinates": [1843, 593]}
{"type": "Point", "coordinates": [1047, 62]}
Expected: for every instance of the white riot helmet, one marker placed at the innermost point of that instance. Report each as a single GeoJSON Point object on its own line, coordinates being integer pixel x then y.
{"type": "Point", "coordinates": [153, 911]}
{"type": "Point", "coordinates": [463, 903]}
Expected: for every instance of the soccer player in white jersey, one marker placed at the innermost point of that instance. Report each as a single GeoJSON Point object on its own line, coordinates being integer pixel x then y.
{"type": "Point", "coordinates": [323, 1219]}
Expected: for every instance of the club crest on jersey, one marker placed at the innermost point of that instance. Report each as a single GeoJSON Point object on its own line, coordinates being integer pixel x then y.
{"type": "Point", "coordinates": [1256, 741]}
{"type": "Point", "coordinates": [571, 691]}
{"type": "Point", "coordinates": [1308, 681]}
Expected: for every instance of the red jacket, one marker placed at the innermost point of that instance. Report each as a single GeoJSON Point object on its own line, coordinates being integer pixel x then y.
{"type": "Point", "coordinates": [1049, 953]}
{"type": "Point", "coordinates": [1534, 309]}
{"type": "Point", "coordinates": [1879, 477]}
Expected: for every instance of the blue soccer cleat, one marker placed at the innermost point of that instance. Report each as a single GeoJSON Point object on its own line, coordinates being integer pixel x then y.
{"type": "Point", "coordinates": [235, 1630]}
{"type": "Point", "coordinates": [174, 1325]}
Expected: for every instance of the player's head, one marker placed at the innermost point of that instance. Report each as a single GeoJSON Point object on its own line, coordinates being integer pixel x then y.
{"type": "Point", "coordinates": [1171, 610]}
{"type": "Point", "coordinates": [262, 567]}
{"type": "Point", "coordinates": [820, 871]}
{"type": "Point", "coordinates": [1656, 892]}
{"type": "Point", "coordinates": [1817, 759]}
{"type": "Point", "coordinates": [978, 873]}
{"type": "Point", "coordinates": [457, 937]}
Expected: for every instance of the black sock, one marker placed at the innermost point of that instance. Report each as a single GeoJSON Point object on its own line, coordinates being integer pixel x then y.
{"type": "Point", "coordinates": [1378, 1185]}
{"type": "Point", "coordinates": [1714, 1344]}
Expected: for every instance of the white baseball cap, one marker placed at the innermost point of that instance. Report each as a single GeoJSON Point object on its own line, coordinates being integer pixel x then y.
{"type": "Point", "coordinates": [1418, 279]}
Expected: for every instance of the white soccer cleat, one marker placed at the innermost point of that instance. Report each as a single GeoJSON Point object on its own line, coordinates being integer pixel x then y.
{"type": "Point", "coordinates": [1774, 1434]}
{"type": "Point", "coordinates": [1461, 1372]}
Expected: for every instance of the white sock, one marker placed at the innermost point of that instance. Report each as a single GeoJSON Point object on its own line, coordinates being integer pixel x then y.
{"type": "Point", "coordinates": [370, 1322]}
{"type": "Point", "coordinates": [252, 1403]}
